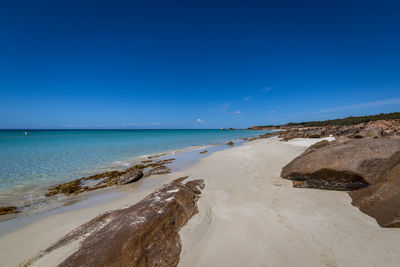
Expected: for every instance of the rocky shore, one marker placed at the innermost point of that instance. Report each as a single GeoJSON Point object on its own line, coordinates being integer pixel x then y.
{"type": "Point", "coordinates": [374, 129]}
{"type": "Point", "coordinates": [247, 214]}
{"type": "Point", "coordinates": [144, 234]}
{"type": "Point", "coordinates": [364, 159]}
{"type": "Point", "coordinates": [145, 168]}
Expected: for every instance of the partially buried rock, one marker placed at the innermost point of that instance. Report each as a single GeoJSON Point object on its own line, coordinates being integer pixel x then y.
{"type": "Point", "coordinates": [230, 143]}
{"type": "Point", "coordinates": [145, 234]}
{"type": "Point", "coordinates": [158, 170]}
{"type": "Point", "coordinates": [131, 176]}
{"type": "Point", "coordinates": [203, 152]}
{"type": "Point", "coordinates": [344, 165]}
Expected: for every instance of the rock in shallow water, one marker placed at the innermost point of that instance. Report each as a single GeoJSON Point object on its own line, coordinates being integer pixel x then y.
{"type": "Point", "coordinates": [145, 234]}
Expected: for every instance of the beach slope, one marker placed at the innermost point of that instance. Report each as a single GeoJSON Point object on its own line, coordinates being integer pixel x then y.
{"type": "Point", "coordinates": [248, 216]}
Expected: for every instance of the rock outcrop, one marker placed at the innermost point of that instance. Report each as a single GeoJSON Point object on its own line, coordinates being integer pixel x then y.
{"type": "Point", "coordinates": [131, 176]}
{"type": "Point", "coordinates": [345, 166]}
{"type": "Point", "coordinates": [145, 234]}
{"type": "Point", "coordinates": [158, 170]}
{"type": "Point", "coordinates": [8, 210]}
{"type": "Point", "coordinates": [110, 178]}
{"type": "Point", "coordinates": [381, 200]}
{"type": "Point", "coordinates": [369, 166]}
{"type": "Point", "coordinates": [375, 129]}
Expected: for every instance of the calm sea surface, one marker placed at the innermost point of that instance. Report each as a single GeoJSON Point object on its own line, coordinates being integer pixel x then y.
{"type": "Point", "coordinates": [44, 157]}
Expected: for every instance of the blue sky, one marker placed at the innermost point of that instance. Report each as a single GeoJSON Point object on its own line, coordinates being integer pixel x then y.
{"type": "Point", "coordinates": [195, 64]}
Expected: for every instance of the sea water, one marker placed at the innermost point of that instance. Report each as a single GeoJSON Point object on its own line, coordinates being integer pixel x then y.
{"type": "Point", "coordinates": [45, 157]}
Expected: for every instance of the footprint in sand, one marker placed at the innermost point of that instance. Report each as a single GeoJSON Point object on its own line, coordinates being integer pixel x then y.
{"type": "Point", "coordinates": [327, 257]}
{"type": "Point", "coordinates": [281, 218]}
{"type": "Point", "coordinates": [274, 201]}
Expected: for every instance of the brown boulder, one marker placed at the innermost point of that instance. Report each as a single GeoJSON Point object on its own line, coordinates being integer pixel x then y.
{"type": "Point", "coordinates": [131, 176]}
{"type": "Point", "coordinates": [381, 200]}
{"type": "Point", "coordinates": [345, 165]}
{"type": "Point", "coordinates": [145, 234]}
{"type": "Point", "coordinates": [368, 132]}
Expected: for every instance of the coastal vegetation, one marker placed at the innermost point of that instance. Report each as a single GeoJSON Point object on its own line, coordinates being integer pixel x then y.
{"type": "Point", "coordinates": [343, 122]}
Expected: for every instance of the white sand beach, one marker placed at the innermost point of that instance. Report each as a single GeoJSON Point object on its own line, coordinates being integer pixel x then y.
{"type": "Point", "coordinates": [248, 216]}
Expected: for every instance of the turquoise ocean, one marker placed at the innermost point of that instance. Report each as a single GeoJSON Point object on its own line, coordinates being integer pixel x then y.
{"type": "Point", "coordinates": [45, 157]}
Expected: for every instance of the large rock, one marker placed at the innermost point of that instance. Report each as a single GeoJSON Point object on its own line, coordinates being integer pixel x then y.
{"type": "Point", "coordinates": [145, 234]}
{"type": "Point", "coordinates": [131, 176]}
{"type": "Point", "coordinates": [158, 170]}
{"type": "Point", "coordinates": [345, 165]}
{"type": "Point", "coordinates": [370, 167]}
{"type": "Point", "coordinates": [381, 200]}
{"type": "Point", "coordinates": [367, 132]}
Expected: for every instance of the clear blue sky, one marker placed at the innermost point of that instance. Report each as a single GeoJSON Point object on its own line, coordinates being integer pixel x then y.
{"type": "Point", "coordinates": [195, 64]}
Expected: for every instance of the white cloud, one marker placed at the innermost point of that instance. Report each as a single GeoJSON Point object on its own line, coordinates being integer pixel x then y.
{"type": "Point", "coordinates": [225, 106]}
{"type": "Point", "coordinates": [129, 124]}
{"type": "Point", "coordinates": [234, 112]}
{"type": "Point", "coordinates": [199, 121]}
{"type": "Point", "coordinates": [266, 89]}
{"type": "Point", "coordinates": [385, 102]}
{"type": "Point", "coordinates": [75, 126]}
{"type": "Point", "coordinates": [132, 124]}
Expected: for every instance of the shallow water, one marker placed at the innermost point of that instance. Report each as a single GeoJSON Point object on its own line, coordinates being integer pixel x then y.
{"type": "Point", "coordinates": [43, 157]}
{"type": "Point", "coordinates": [43, 207]}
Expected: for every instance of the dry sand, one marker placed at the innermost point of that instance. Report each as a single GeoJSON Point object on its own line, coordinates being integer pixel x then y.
{"type": "Point", "coordinates": [248, 216]}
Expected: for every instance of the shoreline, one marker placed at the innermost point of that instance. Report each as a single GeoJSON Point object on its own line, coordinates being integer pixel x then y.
{"type": "Point", "coordinates": [33, 212]}
{"type": "Point", "coordinates": [23, 182]}
{"type": "Point", "coordinates": [30, 197]}
{"type": "Point", "coordinates": [248, 215]}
